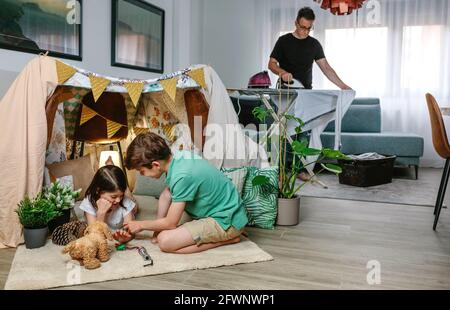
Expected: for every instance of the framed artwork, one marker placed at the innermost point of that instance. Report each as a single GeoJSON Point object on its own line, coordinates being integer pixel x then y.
{"type": "Point", "coordinates": [37, 26]}
{"type": "Point", "coordinates": [137, 36]}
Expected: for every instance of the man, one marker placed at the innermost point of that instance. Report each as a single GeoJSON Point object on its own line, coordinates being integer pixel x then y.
{"type": "Point", "coordinates": [194, 186]}
{"type": "Point", "coordinates": [294, 54]}
{"type": "Point", "coordinates": [293, 57]}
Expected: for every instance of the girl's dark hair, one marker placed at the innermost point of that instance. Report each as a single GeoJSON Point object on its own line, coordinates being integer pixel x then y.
{"type": "Point", "coordinates": [306, 13]}
{"type": "Point", "coordinates": [107, 179]}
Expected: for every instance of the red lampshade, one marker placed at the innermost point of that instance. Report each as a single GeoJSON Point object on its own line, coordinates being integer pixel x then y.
{"type": "Point", "coordinates": [341, 7]}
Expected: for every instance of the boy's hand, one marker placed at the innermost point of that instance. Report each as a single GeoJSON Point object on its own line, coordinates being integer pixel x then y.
{"type": "Point", "coordinates": [122, 236]}
{"type": "Point", "coordinates": [133, 227]}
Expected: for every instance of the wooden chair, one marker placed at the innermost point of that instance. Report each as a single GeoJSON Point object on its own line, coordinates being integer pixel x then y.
{"type": "Point", "coordinates": [442, 147]}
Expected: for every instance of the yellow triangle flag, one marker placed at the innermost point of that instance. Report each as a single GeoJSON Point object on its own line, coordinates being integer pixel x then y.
{"type": "Point", "coordinates": [134, 90]}
{"type": "Point", "coordinates": [98, 85]}
{"type": "Point", "coordinates": [112, 128]}
{"type": "Point", "coordinates": [170, 86]}
{"type": "Point", "coordinates": [198, 76]}
{"type": "Point", "coordinates": [64, 72]}
{"type": "Point", "coordinates": [86, 114]}
{"type": "Point", "coordinates": [169, 131]}
{"type": "Point", "coordinates": [139, 130]}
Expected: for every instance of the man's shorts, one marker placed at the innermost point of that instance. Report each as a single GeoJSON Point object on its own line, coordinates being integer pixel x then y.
{"type": "Point", "coordinates": [207, 230]}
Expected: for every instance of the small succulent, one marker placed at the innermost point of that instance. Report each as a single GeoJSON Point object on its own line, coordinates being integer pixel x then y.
{"type": "Point", "coordinates": [62, 196]}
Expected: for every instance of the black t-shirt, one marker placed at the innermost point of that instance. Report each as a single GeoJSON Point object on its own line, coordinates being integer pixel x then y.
{"type": "Point", "coordinates": [297, 56]}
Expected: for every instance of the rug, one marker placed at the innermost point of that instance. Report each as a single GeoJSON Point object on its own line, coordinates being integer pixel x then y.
{"type": "Point", "coordinates": [421, 192]}
{"type": "Point", "coordinates": [46, 267]}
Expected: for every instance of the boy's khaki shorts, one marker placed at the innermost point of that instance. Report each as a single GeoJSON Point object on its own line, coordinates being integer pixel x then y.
{"type": "Point", "coordinates": [207, 230]}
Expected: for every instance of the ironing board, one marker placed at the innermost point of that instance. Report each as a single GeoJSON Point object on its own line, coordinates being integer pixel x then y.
{"type": "Point", "coordinates": [284, 99]}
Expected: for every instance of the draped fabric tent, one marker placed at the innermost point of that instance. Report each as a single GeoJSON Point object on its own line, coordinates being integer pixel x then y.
{"type": "Point", "coordinates": [27, 115]}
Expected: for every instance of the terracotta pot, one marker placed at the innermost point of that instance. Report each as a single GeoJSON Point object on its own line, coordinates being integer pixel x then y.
{"type": "Point", "coordinates": [288, 211]}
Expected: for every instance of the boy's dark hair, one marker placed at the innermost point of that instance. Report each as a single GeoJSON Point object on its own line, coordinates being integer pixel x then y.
{"type": "Point", "coordinates": [145, 149]}
{"type": "Point", "coordinates": [107, 179]}
{"type": "Point", "coordinates": [307, 13]}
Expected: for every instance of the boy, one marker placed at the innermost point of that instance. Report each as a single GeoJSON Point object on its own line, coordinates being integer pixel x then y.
{"type": "Point", "coordinates": [194, 186]}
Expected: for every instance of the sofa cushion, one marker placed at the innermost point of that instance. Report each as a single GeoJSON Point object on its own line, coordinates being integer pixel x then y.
{"type": "Point", "coordinates": [362, 116]}
{"type": "Point", "coordinates": [386, 143]}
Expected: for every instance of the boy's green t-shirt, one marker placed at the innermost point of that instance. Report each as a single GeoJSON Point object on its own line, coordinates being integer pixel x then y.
{"type": "Point", "coordinates": [206, 191]}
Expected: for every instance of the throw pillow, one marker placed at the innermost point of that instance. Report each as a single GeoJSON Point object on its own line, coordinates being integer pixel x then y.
{"type": "Point", "coordinates": [237, 176]}
{"type": "Point", "coordinates": [80, 169]}
{"type": "Point", "coordinates": [146, 186]}
{"type": "Point", "coordinates": [261, 201]}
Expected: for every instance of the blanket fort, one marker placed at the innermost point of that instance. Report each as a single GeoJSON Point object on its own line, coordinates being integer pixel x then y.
{"type": "Point", "coordinates": [27, 113]}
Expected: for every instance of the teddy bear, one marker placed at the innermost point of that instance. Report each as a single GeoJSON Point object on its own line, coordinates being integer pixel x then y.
{"type": "Point", "coordinates": [91, 249]}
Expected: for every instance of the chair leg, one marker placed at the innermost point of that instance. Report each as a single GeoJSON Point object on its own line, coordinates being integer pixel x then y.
{"type": "Point", "coordinates": [417, 171]}
{"type": "Point", "coordinates": [446, 167]}
{"type": "Point", "coordinates": [441, 195]}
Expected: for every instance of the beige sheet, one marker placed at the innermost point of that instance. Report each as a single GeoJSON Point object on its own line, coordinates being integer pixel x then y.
{"type": "Point", "coordinates": [23, 137]}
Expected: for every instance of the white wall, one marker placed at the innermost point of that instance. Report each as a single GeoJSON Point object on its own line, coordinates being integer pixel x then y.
{"type": "Point", "coordinates": [96, 35]}
{"type": "Point", "coordinates": [230, 40]}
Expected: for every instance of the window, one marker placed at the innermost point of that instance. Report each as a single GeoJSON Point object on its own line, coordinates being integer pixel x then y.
{"type": "Point", "coordinates": [359, 56]}
{"type": "Point", "coordinates": [421, 57]}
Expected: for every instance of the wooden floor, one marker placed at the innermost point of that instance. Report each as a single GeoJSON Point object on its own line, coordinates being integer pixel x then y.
{"type": "Point", "coordinates": [329, 249]}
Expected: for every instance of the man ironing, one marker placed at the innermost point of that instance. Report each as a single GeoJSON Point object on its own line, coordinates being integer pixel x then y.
{"type": "Point", "coordinates": [294, 54]}
{"type": "Point", "coordinates": [293, 57]}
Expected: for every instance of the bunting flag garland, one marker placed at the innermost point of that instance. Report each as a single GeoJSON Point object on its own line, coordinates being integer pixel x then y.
{"type": "Point", "coordinates": [139, 130]}
{"type": "Point", "coordinates": [112, 128]}
{"type": "Point", "coordinates": [135, 91]}
{"type": "Point", "coordinates": [170, 86]}
{"type": "Point", "coordinates": [98, 85]}
{"type": "Point", "coordinates": [64, 72]}
{"type": "Point", "coordinates": [169, 131]}
{"type": "Point", "coordinates": [86, 114]}
{"type": "Point", "coordinates": [198, 76]}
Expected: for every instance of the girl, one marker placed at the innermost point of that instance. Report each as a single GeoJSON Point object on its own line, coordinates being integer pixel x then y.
{"type": "Point", "coordinates": [105, 201]}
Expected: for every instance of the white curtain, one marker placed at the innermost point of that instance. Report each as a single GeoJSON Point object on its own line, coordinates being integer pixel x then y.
{"type": "Point", "coordinates": [397, 55]}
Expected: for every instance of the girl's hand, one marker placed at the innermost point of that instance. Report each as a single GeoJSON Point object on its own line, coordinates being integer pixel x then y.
{"type": "Point", "coordinates": [103, 205]}
{"type": "Point", "coordinates": [133, 227]}
{"type": "Point", "coordinates": [122, 236]}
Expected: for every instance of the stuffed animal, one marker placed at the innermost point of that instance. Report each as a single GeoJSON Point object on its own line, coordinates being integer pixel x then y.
{"type": "Point", "coordinates": [68, 232]}
{"type": "Point", "coordinates": [92, 249]}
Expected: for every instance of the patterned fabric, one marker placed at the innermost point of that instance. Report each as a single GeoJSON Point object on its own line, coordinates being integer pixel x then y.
{"type": "Point", "coordinates": [71, 110]}
{"type": "Point", "coordinates": [157, 117]}
{"type": "Point", "coordinates": [261, 202]}
{"type": "Point", "coordinates": [56, 151]}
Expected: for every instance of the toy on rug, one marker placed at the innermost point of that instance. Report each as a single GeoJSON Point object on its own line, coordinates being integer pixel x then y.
{"type": "Point", "coordinates": [92, 249]}
{"type": "Point", "coordinates": [68, 232]}
{"type": "Point", "coordinates": [141, 250]}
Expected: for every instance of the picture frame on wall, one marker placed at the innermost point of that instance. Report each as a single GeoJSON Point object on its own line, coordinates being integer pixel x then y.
{"type": "Point", "coordinates": [38, 26]}
{"type": "Point", "coordinates": [137, 35]}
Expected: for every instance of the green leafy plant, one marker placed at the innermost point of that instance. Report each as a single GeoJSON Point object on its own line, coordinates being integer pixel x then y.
{"type": "Point", "coordinates": [37, 212]}
{"type": "Point", "coordinates": [288, 187]}
{"type": "Point", "coordinates": [63, 197]}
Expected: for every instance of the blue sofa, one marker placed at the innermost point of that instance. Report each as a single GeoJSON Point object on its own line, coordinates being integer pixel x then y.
{"type": "Point", "coordinates": [361, 133]}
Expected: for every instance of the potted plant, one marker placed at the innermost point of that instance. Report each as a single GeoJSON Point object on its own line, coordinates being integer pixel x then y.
{"type": "Point", "coordinates": [34, 215]}
{"type": "Point", "coordinates": [63, 197]}
{"type": "Point", "coordinates": [289, 185]}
